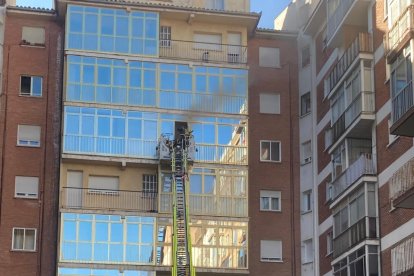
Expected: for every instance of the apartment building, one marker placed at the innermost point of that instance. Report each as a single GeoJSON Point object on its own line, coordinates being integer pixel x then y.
{"type": "Point", "coordinates": [135, 71]}
{"type": "Point", "coordinates": [274, 200]}
{"type": "Point", "coordinates": [362, 146]}
{"type": "Point", "coordinates": [30, 57]}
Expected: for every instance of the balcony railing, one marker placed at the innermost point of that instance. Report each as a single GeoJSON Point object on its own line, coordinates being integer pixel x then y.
{"type": "Point", "coordinates": [362, 44]}
{"type": "Point", "coordinates": [209, 205]}
{"type": "Point", "coordinates": [402, 180]}
{"type": "Point", "coordinates": [98, 199]}
{"type": "Point", "coordinates": [203, 51]}
{"type": "Point", "coordinates": [365, 228]}
{"type": "Point", "coordinates": [137, 148]}
{"type": "Point", "coordinates": [402, 258]}
{"type": "Point", "coordinates": [403, 26]}
{"type": "Point", "coordinates": [402, 102]}
{"type": "Point", "coordinates": [363, 103]}
{"type": "Point", "coordinates": [364, 165]}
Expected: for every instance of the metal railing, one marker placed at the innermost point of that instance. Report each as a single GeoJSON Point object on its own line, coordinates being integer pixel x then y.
{"type": "Point", "coordinates": [209, 205]}
{"type": "Point", "coordinates": [402, 180]}
{"type": "Point", "coordinates": [87, 198]}
{"type": "Point", "coordinates": [204, 102]}
{"type": "Point", "coordinates": [402, 102]}
{"type": "Point", "coordinates": [236, 155]}
{"type": "Point", "coordinates": [364, 102]}
{"type": "Point", "coordinates": [365, 228]}
{"type": "Point", "coordinates": [203, 51]}
{"type": "Point", "coordinates": [137, 148]}
{"type": "Point", "coordinates": [361, 44]}
{"type": "Point", "coordinates": [364, 165]}
{"type": "Point", "coordinates": [400, 29]}
{"type": "Point", "coordinates": [402, 257]}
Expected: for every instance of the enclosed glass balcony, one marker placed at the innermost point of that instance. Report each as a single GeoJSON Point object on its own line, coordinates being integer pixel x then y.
{"type": "Point", "coordinates": [402, 186]}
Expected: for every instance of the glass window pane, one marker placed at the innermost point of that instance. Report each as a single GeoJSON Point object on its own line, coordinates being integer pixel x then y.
{"type": "Point", "coordinates": [122, 28]}
{"type": "Point", "coordinates": [85, 231]}
{"type": "Point", "coordinates": [132, 233]}
{"type": "Point", "coordinates": [69, 231]}
{"type": "Point", "coordinates": [36, 86]}
{"type": "Point", "coordinates": [116, 232]}
{"type": "Point", "coordinates": [76, 22]}
{"type": "Point", "coordinates": [147, 233]}
{"type": "Point", "coordinates": [101, 231]}
{"type": "Point", "coordinates": [107, 25]}
{"type": "Point", "coordinates": [104, 75]}
{"type": "Point", "coordinates": [91, 23]}
{"type": "Point", "coordinates": [89, 74]}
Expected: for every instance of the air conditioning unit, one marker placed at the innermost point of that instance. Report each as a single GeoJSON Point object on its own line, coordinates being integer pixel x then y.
{"type": "Point", "coordinates": [307, 159]}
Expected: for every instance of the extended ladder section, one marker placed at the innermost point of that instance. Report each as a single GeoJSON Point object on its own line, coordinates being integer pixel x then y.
{"type": "Point", "coordinates": [182, 259]}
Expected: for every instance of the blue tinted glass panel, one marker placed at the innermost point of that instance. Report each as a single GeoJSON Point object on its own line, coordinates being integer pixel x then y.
{"type": "Point", "coordinates": [119, 75]}
{"type": "Point", "coordinates": [91, 23]}
{"type": "Point", "coordinates": [76, 22]}
{"type": "Point", "coordinates": [138, 27]}
{"type": "Point", "coordinates": [132, 253]}
{"type": "Point", "coordinates": [101, 252]}
{"type": "Point", "coordinates": [87, 125]}
{"type": "Point", "coordinates": [134, 129]}
{"type": "Point", "coordinates": [89, 74]}
{"type": "Point", "coordinates": [116, 232]}
{"type": "Point", "coordinates": [146, 253]}
{"type": "Point", "coordinates": [150, 130]}
{"type": "Point", "coordinates": [85, 251]}
{"type": "Point", "coordinates": [107, 25]}
{"type": "Point", "coordinates": [104, 126]}
{"type": "Point", "coordinates": [74, 73]}
{"type": "Point", "coordinates": [151, 29]}
{"type": "Point", "coordinates": [72, 124]}
{"type": "Point", "coordinates": [118, 127]}
{"type": "Point", "coordinates": [104, 75]}
{"type": "Point", "coordinates": [132, 233]}
{"type": "Point", "coordinates": [147, 233]}
{"type": "Point", "coordinates": [185, 82]}
{"type": "Point", "coordinates": [122, 26]}
{"type": "Point", "coordinates": [90, 42]}
{"type": "Point", "coordinates": [69, 230]}
{"type": "Point", "coordinates": [116, 252]}
{"type": "Point", "coordinates": [101, 230]}
{"type": "Point", "coordinates": [149, 79]}
{"type": "Point", "coordinates": [85, 231]}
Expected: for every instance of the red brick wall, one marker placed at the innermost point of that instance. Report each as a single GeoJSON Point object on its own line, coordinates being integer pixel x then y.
{"type": "Point", "coordinates": [41, 162]}
{"type": "Point", "coordinates": [282, 176]}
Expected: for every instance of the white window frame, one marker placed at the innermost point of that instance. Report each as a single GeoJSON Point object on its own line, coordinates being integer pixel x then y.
{"type": "Point", "coordinates": [269, 195]}
{"type": "Point", "coordinates": [305, 56]}
{"type": "Point", "coordinates": [26, 195]}
{"type": "Point", "coordinates": [24, 237]}
{"type": "Point", "coordinates": [329, 243]}
{"type": "Point", "coordinates": [265, 61]}
{"type": "Point", "coordinates": [149, 184]}
{"type": "Point", "coordinates": [303, 104]}
{"type": "Point", "coordinates": [307, 258]}
{"type": "Point", "coordinates": [307, 202]}
{"type": "Point", "coordinates": [276, 245]}
{"type": "Point", "coordinates": [29, 142]}
{"type": "Point", "coordinates": [306, 156]}
{"type": "Point", "coordinates": [165, 36]}
{"type": "Point", "coordinates": [30, 94]}
{"type": "Point", "coordinates": [270, 151]}
{"type": "Point", "coordinates": [269, 103]}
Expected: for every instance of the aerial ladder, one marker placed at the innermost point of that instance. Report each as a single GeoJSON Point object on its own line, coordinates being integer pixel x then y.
{"type": "Point", "coordinates": [180, 152]}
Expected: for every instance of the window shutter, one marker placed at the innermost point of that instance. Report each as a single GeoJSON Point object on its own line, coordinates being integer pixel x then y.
{"type": "Point", "coordinates": [104, 182]}
{"type": "Point", "coordinates": [26, 186]}
{"type": "Point", "coordinates": [33, 36]}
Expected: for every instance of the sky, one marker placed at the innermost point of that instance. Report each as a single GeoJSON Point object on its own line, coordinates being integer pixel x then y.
{"type": "Point", "coordinates": [269, 8]}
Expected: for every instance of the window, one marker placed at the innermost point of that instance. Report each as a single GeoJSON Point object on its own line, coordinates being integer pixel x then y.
{"type": "Point", "coordinates": [305, 104]}
{"type": "Point", "coordinates": [26, 187]}
{"type": "Point", "coordinates": [270, 103]}
{"type": "Point", "coordinates": [33, 36]}
{"type": "Point", "coordinates": [215, 4]}
{"type": "Point", "coordinates": [207, 42]}
{"type": "Point", "coordinates": [28, 136]}
{"type": "Point", "coordinates": [104, 184]}
{"type": "Point", "coordinates": [149, 184]}
{"type": "Point", "coordinates": [305, 56]}
{"type": "Point", "coordinates": [30, 86]}
{"type": "Point", "coordinates": [24, 239]}
{"type": "Point", "coordinates": [270, 251]}
{"type": "Point", "coordinates": [307, 251]}
{"type": "Point", "coordinates": [329, 243]}
{"type": "Point", "coordinates": [307, 201]}
{"type": "Point", "coordinates": [306, 152]}
{"type": "Point", "coordinates": [270, 201]}
{"type": "Point", "coordinates": [270, 151]}
{"type": "Point", "coordinates": [269, 57]}
{"type": "Point", "coordinates": [165, 36]}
